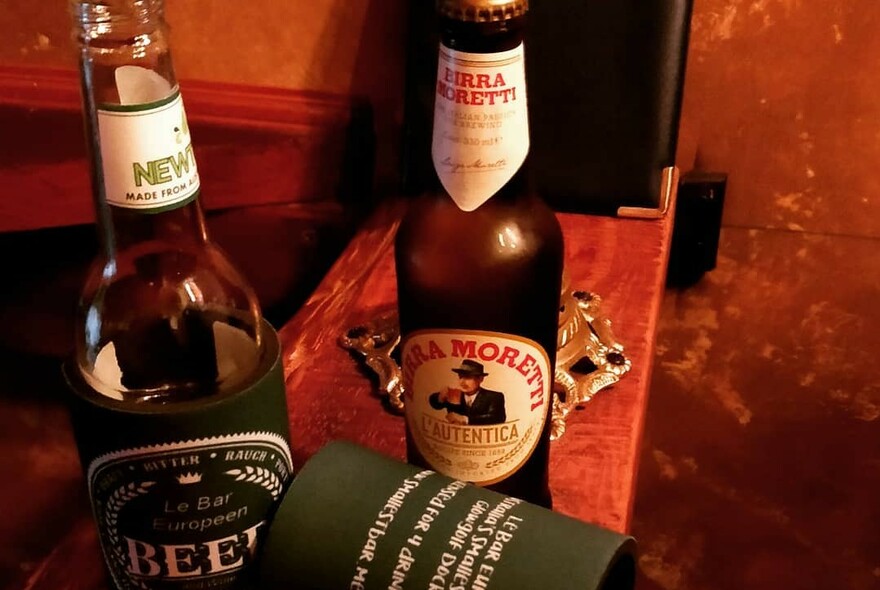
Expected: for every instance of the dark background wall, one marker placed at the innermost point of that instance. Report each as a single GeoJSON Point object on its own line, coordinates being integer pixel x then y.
{"type": "Point", "coordinates": [781, 94]}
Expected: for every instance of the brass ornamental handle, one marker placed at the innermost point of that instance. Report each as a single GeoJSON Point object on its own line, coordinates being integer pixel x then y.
{"type": "Point", "coordinates": [588, 356]}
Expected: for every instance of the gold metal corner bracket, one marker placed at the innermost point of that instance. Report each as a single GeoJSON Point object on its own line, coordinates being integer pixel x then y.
{"type": "Point", "coordinates": [668, 190]}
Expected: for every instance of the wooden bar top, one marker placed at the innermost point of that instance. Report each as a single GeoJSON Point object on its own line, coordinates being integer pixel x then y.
{"type": "Point", "coordinates": [330, 396]}
{"type": "Point", "coordinates": [593, 465]}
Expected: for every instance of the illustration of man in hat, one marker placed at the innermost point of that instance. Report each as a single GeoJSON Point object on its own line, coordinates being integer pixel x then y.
{"type": "Point", "coordinates": [470, 403]}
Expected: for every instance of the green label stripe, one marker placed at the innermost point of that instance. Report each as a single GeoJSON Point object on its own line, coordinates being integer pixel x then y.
{"type": "Point", "coordinates": [147, 106]}
{"type": "Point", "coordinates": [152, 209]}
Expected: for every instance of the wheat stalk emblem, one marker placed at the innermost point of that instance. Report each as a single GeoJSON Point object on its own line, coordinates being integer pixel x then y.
{"type": "Point", "coordinates": [118, 499]}
{"type": "Point", "coordinates": [514, 451]}
{"type": "Point", "coordinates": [260, 476]}
{"type": "Point", "coordinates": [438, 456]}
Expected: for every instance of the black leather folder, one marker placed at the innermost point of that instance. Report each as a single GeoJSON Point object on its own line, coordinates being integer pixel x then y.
{"type": "Point", "coordinates": [605, 85]}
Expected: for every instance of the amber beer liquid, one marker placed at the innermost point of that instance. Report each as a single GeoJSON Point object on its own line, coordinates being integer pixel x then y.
{"type": "Point", "coordinates": [479, 265]}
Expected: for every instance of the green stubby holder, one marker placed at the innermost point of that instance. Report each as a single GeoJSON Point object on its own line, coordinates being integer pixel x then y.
{"type": "Point", "coordinates": [183, 494]}
{"type": "Point", "coordinates": [355, 519]}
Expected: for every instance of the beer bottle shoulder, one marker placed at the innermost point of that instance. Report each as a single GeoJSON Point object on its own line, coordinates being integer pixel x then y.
{"type": "Point", "coordinates": [522, 225]}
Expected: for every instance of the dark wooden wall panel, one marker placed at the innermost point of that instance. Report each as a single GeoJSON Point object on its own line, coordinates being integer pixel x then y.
{"type": "Point", "coordinates": [254, 146]}
{"type": "Point", "coordinates": [283, 172]}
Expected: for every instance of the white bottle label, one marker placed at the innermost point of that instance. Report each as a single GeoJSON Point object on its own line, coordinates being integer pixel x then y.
{"type": "Point", "coordinates": [481, 127]}
{"type": "Point", "coordinates": [147, 155]}
{"type": "Point", "coordinates": [476, 402]}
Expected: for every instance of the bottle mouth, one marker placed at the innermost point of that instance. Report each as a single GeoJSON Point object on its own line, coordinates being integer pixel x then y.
{"type": "Point", "coordinates": [96, 19]}
{"type": "Point", "coordinates": [482, 11]}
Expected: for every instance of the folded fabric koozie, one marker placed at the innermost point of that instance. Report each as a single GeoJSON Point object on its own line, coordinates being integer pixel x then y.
{"type": "Point", "coordinates": [356, 519]}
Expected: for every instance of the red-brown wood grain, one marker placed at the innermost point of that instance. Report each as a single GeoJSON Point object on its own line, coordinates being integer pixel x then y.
{"type": "Point", "coordinates": [254, 146]}
{"type": "Point", "coordinates": [295, 145]}
{"type": "Point", "coordinates": [76, 562]}
{"type": "Point", "coordinates": [593, 466]}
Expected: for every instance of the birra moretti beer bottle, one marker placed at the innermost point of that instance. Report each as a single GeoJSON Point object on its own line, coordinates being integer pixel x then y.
{"type": "Point", "coordinates": [479, 264]}
{"type": "Point", "coordinates": [178, 402]}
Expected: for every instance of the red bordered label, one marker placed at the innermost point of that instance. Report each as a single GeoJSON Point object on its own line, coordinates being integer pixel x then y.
{"type": "Point", "coordinates": [476, 402]}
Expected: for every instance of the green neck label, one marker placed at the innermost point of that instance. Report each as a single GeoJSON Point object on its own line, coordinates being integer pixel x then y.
{"type": "Point", "coordinates": [149, 164]}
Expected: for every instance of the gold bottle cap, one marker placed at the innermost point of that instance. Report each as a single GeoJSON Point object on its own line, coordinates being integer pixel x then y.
{"type": "Point", "coordinates": [481, 11]}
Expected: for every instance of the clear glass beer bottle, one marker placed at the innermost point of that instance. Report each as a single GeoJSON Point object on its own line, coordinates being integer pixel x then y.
{"type": "Point", "coordinates": [479, 267]}
{"type": "Point", "coordinates": [163, 316]}
{"type": "Point", "coordinates": [177, 399]}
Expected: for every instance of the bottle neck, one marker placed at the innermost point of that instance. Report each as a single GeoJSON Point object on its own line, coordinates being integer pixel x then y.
{"type": "Point", "coordinates": [144, 177]}
{"type": "Point", "coordinates": [480, 141]}
{"type": "Point", "coordinates": [482, 37]}
{"type": "Point", "coordinates": [182, 225]}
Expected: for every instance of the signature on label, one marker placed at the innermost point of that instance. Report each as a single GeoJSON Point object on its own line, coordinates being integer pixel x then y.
{"type": "Point", "coordinates": [476, 165]}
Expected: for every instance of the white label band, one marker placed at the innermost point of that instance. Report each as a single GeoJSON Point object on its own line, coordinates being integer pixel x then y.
{"type": "Point", "coordinates": [481, 127]}
{"type": "Point", "coordinates": [147, 154]}
{"type": "Point", "coordinates": [476, 402]}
